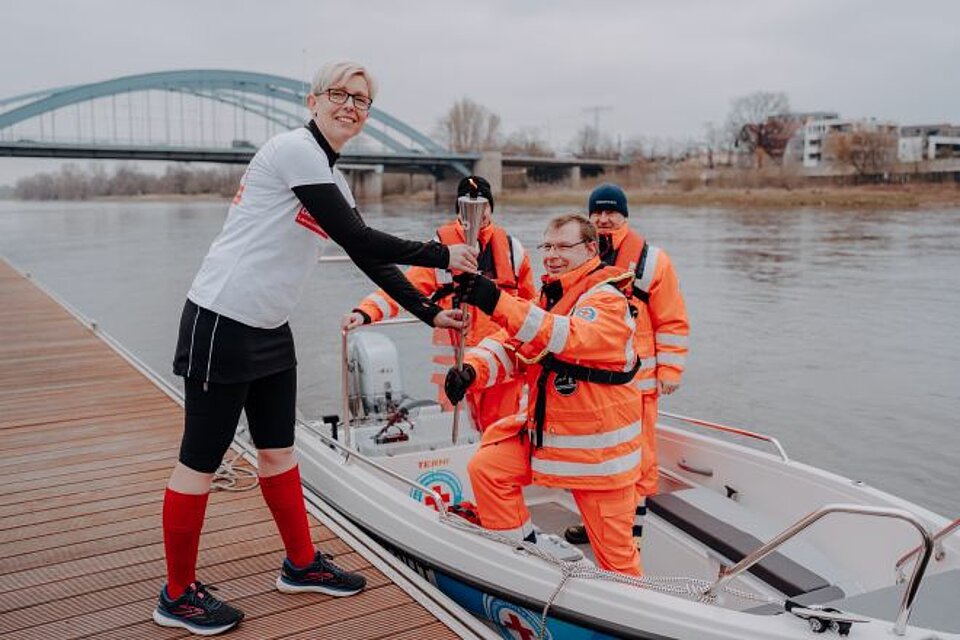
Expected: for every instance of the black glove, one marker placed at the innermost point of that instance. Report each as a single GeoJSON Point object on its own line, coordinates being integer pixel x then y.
{"type": "Point", "coordinates": [477, 290]}
{"type": "Point", "coordinates": [457, 382]}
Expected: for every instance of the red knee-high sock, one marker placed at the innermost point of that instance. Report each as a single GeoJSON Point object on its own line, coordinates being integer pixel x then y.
{"type": "Point", "coordinates": [284, 496]}
{"type": "Point", "coordinates": [182, 521]}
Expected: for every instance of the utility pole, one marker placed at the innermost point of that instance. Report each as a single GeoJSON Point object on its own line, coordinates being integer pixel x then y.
{"type": "Point", "coordinates": [596, 114]}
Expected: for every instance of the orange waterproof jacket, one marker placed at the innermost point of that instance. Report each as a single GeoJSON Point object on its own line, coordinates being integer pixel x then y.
{"type": "Point", "coordinates": [591, 435]}
{"type": "Point", "coordinates": [662, 327]}
{"type": "Point", "coordinates": [502, 258]}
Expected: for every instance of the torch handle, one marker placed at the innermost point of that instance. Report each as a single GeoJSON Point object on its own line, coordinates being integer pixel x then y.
{"type": "Point", "coordinates": [471, 213]}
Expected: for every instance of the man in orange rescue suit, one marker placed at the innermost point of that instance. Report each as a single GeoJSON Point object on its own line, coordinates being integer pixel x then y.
{"type": "Point", "coordinates": [503, 260]}
{"type": "Point", "coordinates": [662, 327]}
{"type": "Point", "coordinates": [582, 428]}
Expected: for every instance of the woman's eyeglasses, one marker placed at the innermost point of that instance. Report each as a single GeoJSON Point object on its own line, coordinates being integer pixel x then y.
{"type": "Point", "coordinates": [559, 247]}
{"type": "Point", "coordinates": [339, 96]}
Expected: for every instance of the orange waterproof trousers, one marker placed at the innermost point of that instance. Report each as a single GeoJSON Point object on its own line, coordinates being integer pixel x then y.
{"type": "Point", "coordinates": [649, 472]}
{"type": "Point", "coordinates": [489, 405]}
{"type": "Point", "coordinates": [500, 470]}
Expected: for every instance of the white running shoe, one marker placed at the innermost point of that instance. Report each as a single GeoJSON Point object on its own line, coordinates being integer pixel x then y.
{"type": "Point", "coordinates": [558, 547]}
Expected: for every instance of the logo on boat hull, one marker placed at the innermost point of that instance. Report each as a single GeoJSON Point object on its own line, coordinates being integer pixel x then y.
{"type": "Point", "coordinates": [445, 483]}
{"type": "Point", "coordinates": [513, 622]}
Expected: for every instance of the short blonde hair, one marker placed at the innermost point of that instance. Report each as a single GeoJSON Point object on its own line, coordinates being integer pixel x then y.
{"type": "Point", "coordinates": [339, 71]}
{"type": "Point", "coordinates": [588, 232]}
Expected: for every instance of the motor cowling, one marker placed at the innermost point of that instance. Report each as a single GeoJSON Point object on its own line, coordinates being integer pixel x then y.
{"type": "Point", "coordinates": [373, 365]}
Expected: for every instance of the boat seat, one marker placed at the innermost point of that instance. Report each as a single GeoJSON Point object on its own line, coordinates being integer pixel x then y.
{"type": "Point", "coordinates": [687, 510]}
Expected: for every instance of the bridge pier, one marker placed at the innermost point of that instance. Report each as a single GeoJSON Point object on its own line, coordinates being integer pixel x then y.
{"type": "Point", "coordinates": [489, 166]}
{"type": "Point", "coordinates": [573, 178]}
{"type": "Point", "coordinates": [366, 182]}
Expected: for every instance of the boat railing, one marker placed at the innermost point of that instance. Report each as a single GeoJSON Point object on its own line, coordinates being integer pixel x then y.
{"type": "Point", "coordinates": [349, 453]}
{"type": "Point", "coordinates": [739, 431]}
{"type": "Point", "coordinates": [913, 585]}
{"type": "Point", "coordinates": [345, 368]}
{"type": "Point", "coordinates": [939, 553]}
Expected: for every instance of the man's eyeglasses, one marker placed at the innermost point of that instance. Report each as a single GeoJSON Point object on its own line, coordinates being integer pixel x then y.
{"type": "Point", "coordinates": [339, 96]}
{"type": "Point", "coordinates": [559, 247]}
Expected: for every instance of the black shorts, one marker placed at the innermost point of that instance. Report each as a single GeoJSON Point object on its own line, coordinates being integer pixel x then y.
{"type": "Point", "coordinates": [214, 348]}
{"type": "Point", "coordinates": [212, 411]}
{"type": "Point", "coordinates": [229, 367]}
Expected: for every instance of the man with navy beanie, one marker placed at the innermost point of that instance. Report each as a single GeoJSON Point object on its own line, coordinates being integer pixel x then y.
{"type": "Point", "coordinates": [662, 328]}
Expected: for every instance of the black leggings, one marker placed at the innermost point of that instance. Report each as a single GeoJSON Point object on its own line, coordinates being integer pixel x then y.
{"type": "Point", "coordinates": [212, 415]}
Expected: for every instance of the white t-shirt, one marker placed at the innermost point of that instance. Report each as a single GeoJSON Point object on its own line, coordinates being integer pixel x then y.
{"type": "Point", "coordinates": [256, 268]}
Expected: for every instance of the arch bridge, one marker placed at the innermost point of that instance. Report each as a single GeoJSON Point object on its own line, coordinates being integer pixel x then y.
{"type": "Point", "coordinates": [215, 115]}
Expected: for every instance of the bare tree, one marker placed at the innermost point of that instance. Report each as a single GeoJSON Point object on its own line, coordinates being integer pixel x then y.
{"type": "Point", "coordinates": [590, 142]}
{"type": "Point", "coordinates": [718, 144]}
{"type": "Point", "coordinates": [527, 142]}
{"type": "Point", "coordinates": [871, 153]}
{"type": "Point", "coordinates": [469, 126]}
{"type": "Point", "coordinates": [758, 124]}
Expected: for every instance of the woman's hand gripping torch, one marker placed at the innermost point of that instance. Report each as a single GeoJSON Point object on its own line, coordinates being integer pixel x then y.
{"type": "Point", "coordinates": [471, 208]}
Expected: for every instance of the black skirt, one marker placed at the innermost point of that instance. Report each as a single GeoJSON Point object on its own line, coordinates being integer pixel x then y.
{"type": "Point", "coordinates": [215, 348]}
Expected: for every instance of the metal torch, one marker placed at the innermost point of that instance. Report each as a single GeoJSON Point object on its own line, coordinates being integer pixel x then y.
{"type": "Point", "coordinates": [471, 208]}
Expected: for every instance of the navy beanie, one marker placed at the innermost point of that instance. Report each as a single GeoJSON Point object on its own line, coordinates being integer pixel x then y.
{"type": "Point", "coordinates": [608, 197]}
{"type": "Point", "coordinates": [483, 189]}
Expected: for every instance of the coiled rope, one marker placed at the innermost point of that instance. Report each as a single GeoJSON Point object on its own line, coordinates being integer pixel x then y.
{"type": "Point", "coordinates": [228, 477]}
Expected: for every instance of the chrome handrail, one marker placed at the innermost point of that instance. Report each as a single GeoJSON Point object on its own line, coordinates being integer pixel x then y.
{"type": "Point", "coordinates": [734, 430]}
{"type": "Point", "coordinates": [344, 368]}
{"type": "Point", "coordinates": [906, 603]}
{"type": "Point", "coordinates": [939, 553]}
{"type": "Point", "coordinates": [350, 453]}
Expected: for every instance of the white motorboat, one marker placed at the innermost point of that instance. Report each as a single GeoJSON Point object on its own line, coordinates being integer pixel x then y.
{"type": "Point", "coordinates": [740, 543]}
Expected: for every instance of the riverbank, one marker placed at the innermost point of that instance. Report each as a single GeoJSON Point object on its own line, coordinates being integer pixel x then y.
{"type": "Point", "coordinates": [860, 197]}
{"type": "Point", "coordinates": [912, 196]}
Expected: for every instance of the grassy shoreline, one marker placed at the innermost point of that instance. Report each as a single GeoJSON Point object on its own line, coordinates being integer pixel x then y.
{"type": "Point", "coordinates": [914, 196]}
{"type": "Point", "coordinates": [879, 197]}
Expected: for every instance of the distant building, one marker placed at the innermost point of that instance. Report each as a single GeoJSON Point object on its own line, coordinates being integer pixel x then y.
{"type": "Point", "coordinates": [774, 138]}
{"type": "Point", "coordinates": [817, 133]}
{"type": "Point", "coordinates": [928, 142]}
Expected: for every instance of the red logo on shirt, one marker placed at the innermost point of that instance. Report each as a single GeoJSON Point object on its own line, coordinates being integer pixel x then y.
{"type": "Point", "coordinates": [305, 219]}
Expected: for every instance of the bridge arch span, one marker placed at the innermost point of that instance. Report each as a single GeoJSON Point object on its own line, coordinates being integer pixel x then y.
{"type": "Point", "coordinates": [239, 89]}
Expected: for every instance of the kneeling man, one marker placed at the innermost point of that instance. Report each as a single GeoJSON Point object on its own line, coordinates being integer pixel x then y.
{"type": "Point", "coordinates": [582, 429]}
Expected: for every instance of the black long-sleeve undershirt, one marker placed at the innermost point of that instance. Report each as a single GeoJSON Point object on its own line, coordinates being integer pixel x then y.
{"type": "Point", "coordinates": [376, 253]}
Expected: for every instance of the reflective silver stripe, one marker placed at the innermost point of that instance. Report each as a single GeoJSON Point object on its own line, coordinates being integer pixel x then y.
{"type": "Point", "coordinates": [649, 268]}
{"type": "Point", "coordinates": [613, 467]}
{"type": "Point", "coordinates": [444, 276]}
{"type": "Point", "coordinates": [500, 352]}
{"type": "Point", "coordinates": [647, 384]}
{"type": "Point", "coordinates": [492, 365]}
{"type": "Point", "coordinates": [518, 255]}
{"type": "Point", "coordinates": [670, 358]}
{"type": "Point", "coordinates": [593, 441]}
{"type": "Point", "coordinates": [559, 334]}
{"type": "Point", "coordinates": [646, 364]}
{"type": "Point", "coordinates": [381, 303]}
{"type": "Point", "coordinates": [531, 324]}
{"type": "Point", "coordinates": [672, 339]}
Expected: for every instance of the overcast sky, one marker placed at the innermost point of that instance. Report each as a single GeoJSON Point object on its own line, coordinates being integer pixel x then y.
{"type": "Point", "coordinates": [665, 68]}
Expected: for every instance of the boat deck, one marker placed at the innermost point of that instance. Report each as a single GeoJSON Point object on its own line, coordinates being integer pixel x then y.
{"type": "Point", "coordinates": [88, 443]}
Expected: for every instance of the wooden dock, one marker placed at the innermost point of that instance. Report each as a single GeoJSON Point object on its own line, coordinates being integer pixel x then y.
{"type": "Point", "coordinates": [88, 443]}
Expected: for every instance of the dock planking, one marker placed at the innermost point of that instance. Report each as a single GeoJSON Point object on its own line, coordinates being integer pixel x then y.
{"type": "Point", "coordinates": [87, 443]}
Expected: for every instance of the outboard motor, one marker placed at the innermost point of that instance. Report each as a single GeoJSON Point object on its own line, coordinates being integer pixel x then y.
{"type": "Point", "coordinates": [374, 373]}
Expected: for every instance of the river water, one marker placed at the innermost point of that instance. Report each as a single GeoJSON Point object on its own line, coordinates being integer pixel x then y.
{"type": "Point", "coordinates": [835, 331]}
